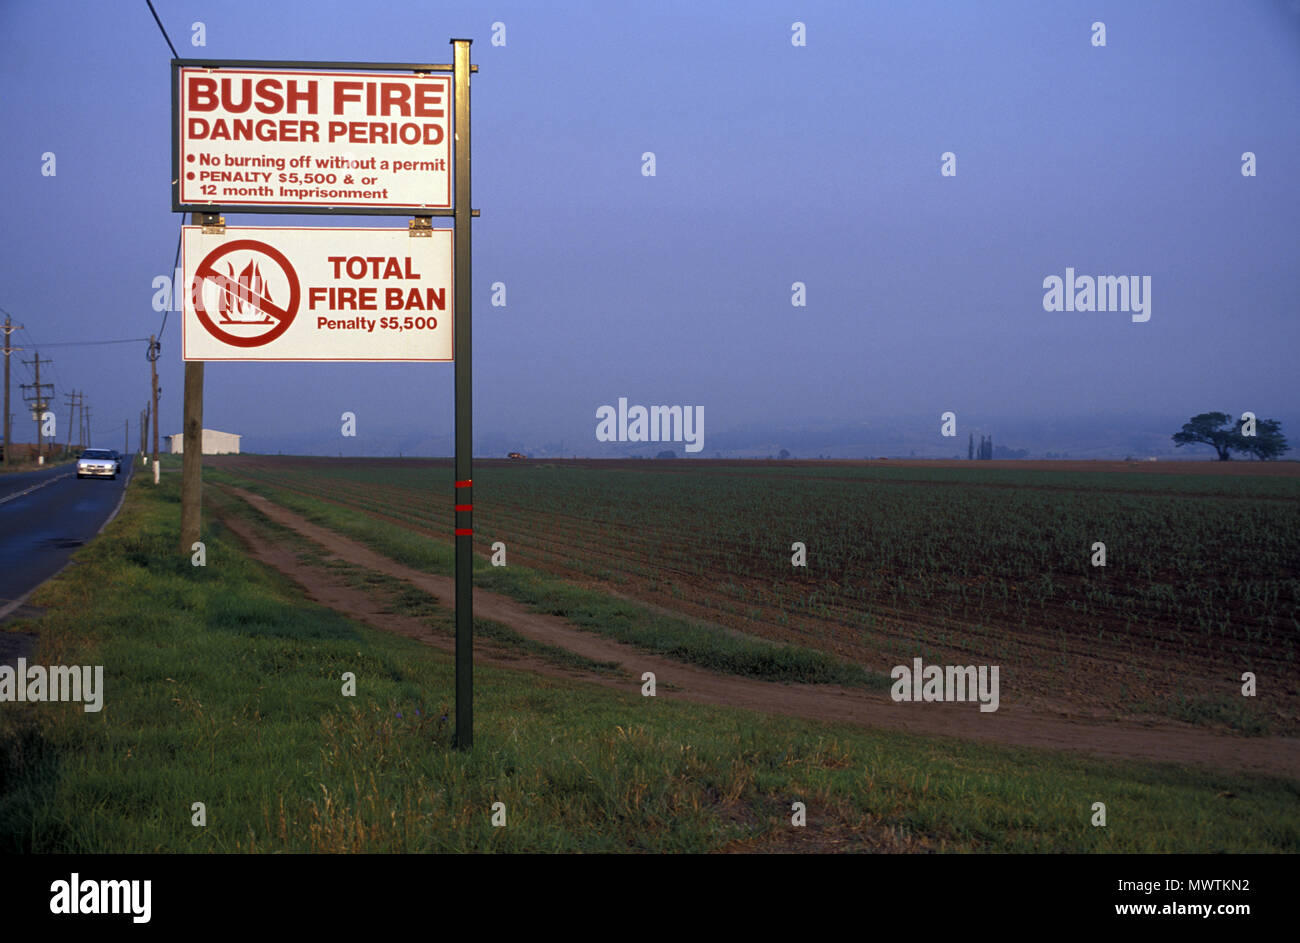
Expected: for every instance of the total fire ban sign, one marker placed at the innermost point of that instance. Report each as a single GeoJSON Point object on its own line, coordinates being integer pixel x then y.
{"type": "Point", "coordinates": [297, 293]}
{"type": "Point", "coordinates": [349, 138]}
{"type": "Point", "coordinates": [340, 141]}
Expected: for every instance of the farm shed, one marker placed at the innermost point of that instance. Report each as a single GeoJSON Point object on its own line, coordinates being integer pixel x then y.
{"type": "Point", "coordinates": [214, 443]}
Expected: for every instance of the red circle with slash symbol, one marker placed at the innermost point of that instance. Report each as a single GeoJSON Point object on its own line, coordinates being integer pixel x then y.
{"type": "Point", "coordinates": [244, 298]}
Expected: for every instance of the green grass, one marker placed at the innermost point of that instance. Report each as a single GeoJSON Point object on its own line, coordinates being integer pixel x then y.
{"type": "Point", "coordinates": [1232, 713]}
{"type": "Point", "coordinates": [223, 686]}
{"type": "Point", "coordinates": [663, 634]}
{"type": "Point", "coordinates": [401, 597]}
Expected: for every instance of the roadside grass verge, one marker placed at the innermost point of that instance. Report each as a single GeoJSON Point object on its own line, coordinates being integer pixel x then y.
{"type": "Point", "coordinates": [222, 686]}
{"type": "Point", "coordinates": [686, 640]}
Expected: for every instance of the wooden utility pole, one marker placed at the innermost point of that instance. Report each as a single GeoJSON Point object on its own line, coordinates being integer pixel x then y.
{"type": "Point", "coordinates": [192, 434]}
{"type": "Point", "coordinates": [85, 422]}
{"type": "Point", "coordinates": [126, 438]}
{"type": "Point", "coordinates": [72, 413]}
{"type": "Point", "coordinates": [40, 410]}
{"type": "Point", "coordinates": [9, 328]}
{"type": "Point", "coordinates": [38, 401]}
{"type": "Point", "coordinates": [154, 349]}
{"type": "Point", "coordinates": [192, 457]}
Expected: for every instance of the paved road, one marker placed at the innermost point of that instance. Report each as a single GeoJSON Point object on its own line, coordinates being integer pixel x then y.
{"type": "Point", "coordinates": [45, 515]}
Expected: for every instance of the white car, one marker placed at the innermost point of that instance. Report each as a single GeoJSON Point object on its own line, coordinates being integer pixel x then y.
{"type": "Point", "coordinates": [98, 463]}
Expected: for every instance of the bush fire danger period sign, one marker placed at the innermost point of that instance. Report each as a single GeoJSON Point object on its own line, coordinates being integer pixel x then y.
{"type": "Point", "coordinates": [342, 142]}
{"type": "Point", "coordinates": [350, 294]}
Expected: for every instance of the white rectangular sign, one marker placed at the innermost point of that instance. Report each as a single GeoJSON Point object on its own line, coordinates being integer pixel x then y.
{"type": "Point", "coordinates": [280, 137]}
{"type": "Point", "coordinates": [298, 293]}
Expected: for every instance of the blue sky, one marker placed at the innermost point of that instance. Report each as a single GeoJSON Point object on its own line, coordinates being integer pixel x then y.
{"type": "Point", "coordinates": [774, 164]}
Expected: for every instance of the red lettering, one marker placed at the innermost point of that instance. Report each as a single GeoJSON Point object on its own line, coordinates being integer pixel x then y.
{"type": "Point", "coordinates": [395, 95]}
{"type": "Point", "coordinates": [345, 92]}
{"type": "Point", "coordinates": [293, 96]}
{"type": "Point", "coordinates": [269, 91]}
{"type": "Point", "coordinates": [397, 299]}
{"type": "Point", "coordinates": [427, 99]}
{"type": "Point", "coordinates": [228, 99]}
{"type": "Point", "coordinates": [202, 94]}
{"type": "Point", "coordinates": [268, 95]}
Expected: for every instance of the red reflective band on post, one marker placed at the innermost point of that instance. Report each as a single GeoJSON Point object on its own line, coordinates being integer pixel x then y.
{"type": "Point", "coordinates": [464, 507]}
{"type": "Point", "coordinates": [464, 531]}
{"type": "Point", "coordinates": [465, 484]}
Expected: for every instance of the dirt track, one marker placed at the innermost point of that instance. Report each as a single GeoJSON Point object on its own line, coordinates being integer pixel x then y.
{"type": "Point", "coordinates": [1011, 725]}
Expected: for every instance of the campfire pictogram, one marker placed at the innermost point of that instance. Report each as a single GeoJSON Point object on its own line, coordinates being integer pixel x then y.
{"type": "Point", "coordinates": [242, 304]}
{"type": "Point", "coordinates": [236, 307]}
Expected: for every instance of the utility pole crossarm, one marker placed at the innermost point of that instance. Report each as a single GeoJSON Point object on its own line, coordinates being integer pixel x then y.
{"type": "Point", "coordinates": [38, 401]}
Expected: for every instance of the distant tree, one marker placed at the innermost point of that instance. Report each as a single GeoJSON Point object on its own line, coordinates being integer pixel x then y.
{"type": "Point", "coordinates": [1267, 443]}
{"type": "Point", "coordinates": [667, 453]}
{"type": "Point", "coordinates": [1215, 430]}
{"type": "Point", "coordinates": [785, 453]}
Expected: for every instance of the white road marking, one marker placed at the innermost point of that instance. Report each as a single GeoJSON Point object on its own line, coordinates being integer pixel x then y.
{"type": "Point", "coordinates": [48, 481]}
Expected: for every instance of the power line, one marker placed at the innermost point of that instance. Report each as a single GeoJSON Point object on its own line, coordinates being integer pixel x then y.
{"type": "Point", "coordinates": [39, 403]}
{"type": "Point", "coordinates": [58, 379]}
{"type": "Point", "coordinates": [175, 55]}
{"type": "Point", "coordinates": [127, 340]}
{"type": "Point", "coordinates": [175, 262]}
{"type": "Point", "coordinates": [176, 259]}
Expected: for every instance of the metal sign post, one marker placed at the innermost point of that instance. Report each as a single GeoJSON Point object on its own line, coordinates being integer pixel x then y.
{"type": "Point", "coordinates": [464, 491]}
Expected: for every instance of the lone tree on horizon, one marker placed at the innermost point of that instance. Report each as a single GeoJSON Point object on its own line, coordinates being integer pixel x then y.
{"type": "Point", "coordinates": [1219, 431]}
{"type": "Point", "coordinates": [1268, 442]}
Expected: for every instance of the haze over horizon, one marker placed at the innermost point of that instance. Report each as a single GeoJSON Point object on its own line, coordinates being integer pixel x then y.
{"type": "Point", "coordinates": [774, 164]}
